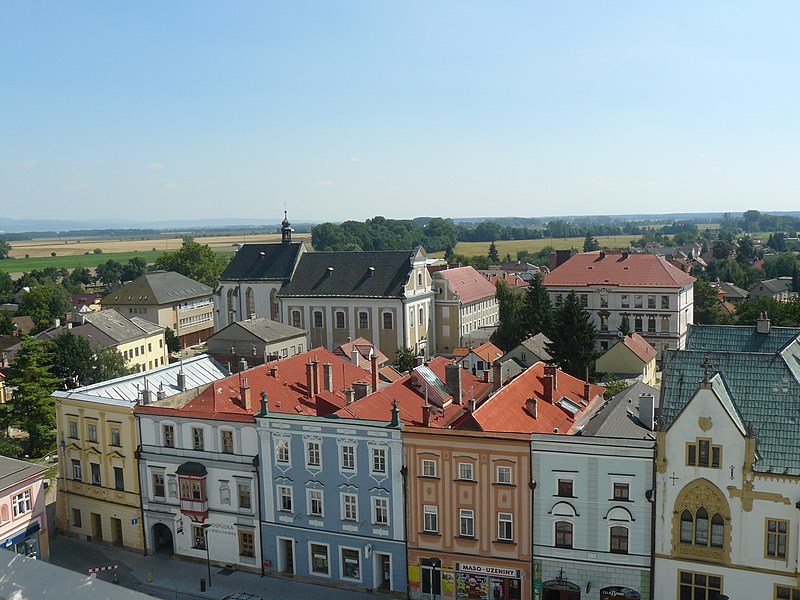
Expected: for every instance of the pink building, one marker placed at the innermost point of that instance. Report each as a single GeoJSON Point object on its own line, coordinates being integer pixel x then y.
{"type": "Point", "coordinates": [23, 522]}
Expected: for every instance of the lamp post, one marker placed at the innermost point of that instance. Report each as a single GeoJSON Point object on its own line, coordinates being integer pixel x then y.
{"type": "Point", "coordinates": [206, 527]}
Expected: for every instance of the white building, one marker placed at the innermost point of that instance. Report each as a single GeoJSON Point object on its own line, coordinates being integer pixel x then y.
{"type": "Point", "coordinates": [656, 297]}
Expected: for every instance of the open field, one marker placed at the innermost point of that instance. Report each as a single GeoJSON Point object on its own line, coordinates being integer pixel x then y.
{"type": "Point", "coordinates": [22, 265]}
{"type": "Point", "coordinates": [513, 246]}
{"type": "Point", "coordinates": [79, 246]}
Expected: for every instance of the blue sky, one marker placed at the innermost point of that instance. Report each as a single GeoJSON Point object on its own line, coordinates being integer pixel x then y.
{"type": "Point", "coordinates": [343, 110]}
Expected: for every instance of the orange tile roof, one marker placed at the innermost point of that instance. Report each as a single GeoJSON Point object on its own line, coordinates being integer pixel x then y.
{"type": "Point", "coordinates": [639, 346]}
{"type": "Point", "coordinates": [410, 399]}
{"type": "Point", "coordinates": [617, 268]}
{"type": "Point", "coordinates": [365, 349]}
{"type": "Point", "coordinates": [488, 352]}
{"type": "Point", "coordinates": [461, 351]}
{"type": "Point", "coordinates": [505, 411]}
{"type": "Point", "coordinates": [468, 284]}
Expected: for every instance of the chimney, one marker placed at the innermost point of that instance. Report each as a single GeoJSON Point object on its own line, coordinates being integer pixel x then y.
{"type": "Point", "coordinates": [181, 380]}
{"type": "Point", "coordinates": [355, 356]}
{"type": "Point", "coordinates": [146, 396]}
{"type": "Point", "coordinates": [349, 395]}
{"type": "Point", "coordinates": [56, 322]}
{"type": "Point", "coordinates": [395, 414]}
{"type": "Point", "coordinates": [264, 404]}
{"type": "Point", "coordinates": [309, 380]}
{"type": "Point", "coordinates": [531, 407]}
{"type": "Point", "coordinates": [244, 389]}
{"type": "Point", "coordinates": [602, 254]}
{"type": "Point", "coordinates": [486, 378]}
{"type": "Point", "coordinates": [625, 254]}
{"type": "Point", "coordinates": [315, 363]}
{"type": "Point", "coordinates": [452, 380]}
{"type": "Point", "coordinates": [497, 375]}
{"type": "Point", "coordinates": [762, 324]}
{"type": "Point", "coordinates": [361, 389]}
{"type": "Point", "coordinates": [548, 388]}
{"type": "Point", "coordinates": [552, 370]}
{"type": "Point", "coordinates": [426, 415]}
{"type": "Point", "coordinates": [472, 405]}
{"type": "Point", "coordinates": [327, 376]}
{"type": "Point", "coordinates": [587, 390]}
{"type": "Point", "coordinates": [242, 364]}
{"type": "Point", "coordinates": [647, 411]}
{"type": "Point", "coordinates": [69, 325]}
{"type": "Point", "coordinates": [273, 371]}
{"type": "Point", "coordinates": [373, 367]}
{"type": "Point", "coordinates": [161, 394]}
{"type": "Point", "coordinates": [419, 361]}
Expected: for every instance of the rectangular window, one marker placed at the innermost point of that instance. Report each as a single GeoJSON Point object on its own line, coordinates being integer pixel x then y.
{"type": "Point", "coordinates": [565, 488]}
{"type": "Point", "coordinates": [637, 301]}
{"type": "Point", "coordinates": [91, 431]}
{"type": "Point", "coordinates": [626, 301]}
{"type": "Point", "coordinates": [621, 491]}
{"type": "Point", "coordinates": [313, 455]}
{"type": "Point", "coordinates": [315, 503]}
{"type": "Point", "coordinates": [363, 320]}
{"type": "Point", "coordinates": [95, 468]}
{"type": "Point", "coordinates": [77, 520]}
{"type": "Point", "coordinates": [339, 319]}
{"type": "Point", "coordinates": [637, 324]}
{"type": "Point", "coordinates": [388, 320]}
{"type": "Point", "coordinates": [664, 302]}
{"type": "Point", "coordinates": [431, 519]}
{"type": "Point", "coordinates": [319, 559]}
{"type": "Point", "coordinates": [380, 511]}
{"type": "Point", "coordinates": [198, 443]}
{"type": "Point", "coordinates": [198, 537]}
{"type": "Point", "coordinates": [191, 489]}
{"type": "Point", "coordinates": [603, 300]}
{"type": "Point", "coordinates": [73, 430]}
{"type": "Point", "coordinates": [77, 474]}
{"type": "Point", "coordinates": [282, 451]}
{"type": "Point", "coordinates": [227, 441]}
{"type": "Point", "coordinates": [466, 523]}
{"type": "Point", "coordinates": [115, 437]}
{"type": "Point", "coordinates": [428, 468]}
{"type": "Point", "coordinates": [651, 324]}
{"type": "Point", "coordinates": [651, 302]}
{"type": "Point", "coordinates": [296, 318]}
{"type": "Point", "coordinates": [169, 436]}
{"type": "Point", "coordinates": [664, 324]}
{"type": "Point", "coordinates": [348, 456]}
{"type": "Point", "coordinates": [619, 540]}
{"type": "Point", "coordinates": [505, 527]}
{"type": "Point", "coordinates": [504, 475]}
{"type": "Point", "coordinates": [703, 453]}
{"type": "Point", "coordinates": [317, 319]}
{"type": "Point", "coordinates": [245, 501]}
{"type": "Point", "coordinates": [379, 461]}
{"type": "Point", "coordinates": [247, 544]}
{"type": "Point", "coordinates": [119, 478]}
{"type": "Point", "coordinates": [465, 471]}
{"type": "Point", "coordinates": [584, 300]}
{"type": "Point", "coordinates": [349, 507]}
{"type": "Point", "coordinates": [786, 593]}
{"type": "Point", "coordinates": [698, 586]}
{"type": "Point", "coordinates": [21, 503]}
{"type": "Point", "coordinates": [777, 532]}
{"type": "Point", "coordinates": [158, 485]}
{"type": "Point", "coordinates": [285, 498]}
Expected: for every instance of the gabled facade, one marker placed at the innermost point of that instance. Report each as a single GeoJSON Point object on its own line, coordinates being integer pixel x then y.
{"type": "Point", "coordinates": [257, 340]}
{"type": "Point", "coordinates": [23, 519]}
{"type": "Point", "coordinates": [333, 500]}
{"type": "Point", "coordinates": [630, 358]}
{"type": "Point", "coordinates": [481, 359]}
{"type": "Point", "coordinates": [530, 351]}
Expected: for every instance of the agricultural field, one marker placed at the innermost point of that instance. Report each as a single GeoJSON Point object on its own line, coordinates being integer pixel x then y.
{"type": "Point", "coordinates": [513, 246]}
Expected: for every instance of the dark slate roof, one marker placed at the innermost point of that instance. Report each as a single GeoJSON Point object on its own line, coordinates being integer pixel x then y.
{"type": "Point", "coordinates": [158, 287]}
{"type": "Point", "coordinates": [271, 262]}
{"type": "Point", "coordinates": [732, 291]}
{"type": "Point", "coordinates": [351, 274]}
{"type": "Point", "coordinates": [776, 286]}
{"type": "Point", "coordinates": [538, 345]}
{"type": "Point", "coordinates": [261, 328]}
{"type": "Point", "coordinates": [762, 387]}
{"type": "Point", "coordinates": [619, 417]}
{"type": "Point", "coordinates": [115, 325]}
{"type": "Point", "coordinates": [739, 338]}
{"type": "Point", "coordinates": [192, 468]}
{"type": "Point", "coordinates": [13, 471]}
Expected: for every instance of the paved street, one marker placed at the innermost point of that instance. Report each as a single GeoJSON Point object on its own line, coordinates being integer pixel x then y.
{"type": "Point", "coordinates": [172, 579]}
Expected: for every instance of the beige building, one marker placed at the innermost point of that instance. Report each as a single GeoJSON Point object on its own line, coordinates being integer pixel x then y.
{"type": "Point", "coordinates": [168, 299]}
{"type": "Point", "coordinates": [98, 490]}
{"type": "Point", "coordinates": [257, 340]}
{"type": "Point", "coordinates": [630, 358]}
{"type": "Point", "coordinates": [465, 302]}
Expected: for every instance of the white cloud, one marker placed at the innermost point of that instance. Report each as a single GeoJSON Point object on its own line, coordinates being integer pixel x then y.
{"type": "Point", "coordinates": [173, 186]}
{"type": "Point", "coordinates": [156, 166]}
{"type": "Point", "coordinates": [326, 184]}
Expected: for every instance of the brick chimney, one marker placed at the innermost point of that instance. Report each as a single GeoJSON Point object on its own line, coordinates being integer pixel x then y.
{"type": "Point", "coordinates": [373, 367]}
{"type": "Point", "coordinates": [548, 388]}
{"type": "Point", "coordinates": [361, 388]}
{"type": "Point", "coordinates": [316, 375]}
{"type": "Point", "coordinates": [273, 371]}
{"type": "Point", "coordinates": [309, 380]}
{"type": "Point", "coordinates": [452, 380]}
{"type": "Point", "coordinates": [762, 324]}
{"type": "Point", "coordinates": [552, 370]}
{"type": "Point", "coordinates": [497, 375]}
{"type": "Point", "coordinates": [587, 390]}
{"type": "Point", "coordinates": [531, 407]}
{"type": "Point", "coordinates": [349, 396]}
{"type": "Point", "coordinates": [426, 415]}
{"type": "Point", "coordinates": [246, 399]}
{"type": "Point", "coordinates": [327, 372]}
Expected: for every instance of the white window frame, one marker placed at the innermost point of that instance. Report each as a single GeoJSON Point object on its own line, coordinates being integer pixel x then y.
{"type": "Point", "coordinates": [282, 444]}
{"type": "Point", "coordinates": [377, 451]}
{"type": "Point", "coordinates": [345, 499]}
{"type": "Point", "coordinates": [466, 515]}
{"type": "Point", "coordinates": [171, 428]}
{"type": "Point", "coordinates": [428, 462]}
{"type": "Point", "coordinates": [341, 564]}
{"type": "Point", "coordinates": [201, 437]}
{"type": "Point", "coordinates": [503, 518]}
{"type": "Point", "coordinates": [244, 484]}
{"type": "Point", "coordinates": [311, 570]}
{"type": "Point", "coordinates": [432, 512]}
{"type": "Point", "coordinates": [280, 490]}
{"type": "Point", "coordinates": [318, 444]}
{"type": "Point", "coordinates": [461, 471]}
{"type": "Point", "coordinates": [342, 466]}
{"type": "Point", "coordinates": [310, 493]}
{"type": "Point", "coordinates": [21, 503]}
{"type": "Point", "coordinates": [77, 469]}
{"type": "Point", "coordinates": [222, 433]}
{"type": "Point", "coordinates": [504, 469]}
{"type": "Point", "coordinates": [376, 501]}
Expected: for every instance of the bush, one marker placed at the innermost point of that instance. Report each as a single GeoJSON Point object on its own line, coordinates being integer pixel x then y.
{"type": "Point", "coordinates": [53, 254]}
{"type": "Point", "coordinates": [97, 251]}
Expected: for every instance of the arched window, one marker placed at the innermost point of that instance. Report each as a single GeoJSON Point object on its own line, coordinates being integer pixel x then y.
{"type": "Point", "coordinates": [701, 527]}
{"type": "Point", "coordinates": [4, 513]}
{"type": "Point", "coordinates": [701, 520]}
{"type": "Point", "coordinates": [274, 306]}
{"type": "Point", "coordinates": [619, 540]}
{"type": "Point", "coordinates": [250, 300]}
{"type": "Point", "coordinates": [687, 525]}
{"type": "Point", "coordinates": [563, 534]}
{"type": "Point", "coordinates": [717, 531]}
{"type": "Point", "coordinates": [231, 306]}
{"type": "Point", "coordinates": [695, 529]}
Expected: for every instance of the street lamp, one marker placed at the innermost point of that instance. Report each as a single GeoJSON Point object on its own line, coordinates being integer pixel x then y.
{"type": "Point", "coordinates": [206, 527]}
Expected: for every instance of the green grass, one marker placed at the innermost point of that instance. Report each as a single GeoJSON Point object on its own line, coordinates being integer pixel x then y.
{"type": "Point", "coordinates": [513, 246]}
{"type": "Point", "coordinates": [23, 265]}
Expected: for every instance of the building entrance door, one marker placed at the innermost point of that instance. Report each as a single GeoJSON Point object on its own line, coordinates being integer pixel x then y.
{"type": "Point", "coordinates": [288, 556]}
{"type": "Point", "coordinates": [384, 568]}
{"type": "Point", "coordinates": [431, 581]}
{"type": "Point", "coordinates": [561, 589]}
{"type": "Point", "coordinates": [116, 531]}
{"type": "Point", "coordinates": [97, 527]}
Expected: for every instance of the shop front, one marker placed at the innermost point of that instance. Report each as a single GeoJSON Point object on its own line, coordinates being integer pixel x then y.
{"type": "Point", "coordinates": [484, 582]}
{"type": "Point", "coordinates": [24, 542]}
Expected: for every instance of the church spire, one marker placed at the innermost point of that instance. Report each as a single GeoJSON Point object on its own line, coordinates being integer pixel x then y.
{"type": "Point", "coordinates": [286, 229]}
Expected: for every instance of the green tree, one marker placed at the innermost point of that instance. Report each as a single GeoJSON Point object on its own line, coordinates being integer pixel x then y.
{"type": "Point", "coordinates": [624, 325]}
{"type": "Point", "coordinates": [5, 249]}
{"type": "Point", "coordinates": [511, 312]}
{"type": "Point", "coordinates": [193, 260]}
{"type": "Point", "coordinates": [494, 256]}
{"type": "Point", "coordinates": [43, 304]}
{"type": "Point", "coordinates": [136, 267]}
{"type": "Point", "coordinates": [574, 336]}
{"type": "Point", "coordinates": [590, 244]}
{"type": "Point", "coordinates": [32, 408]}
{"type": "Point", "coordinates": [404, 359]}
{"type": "Point", "coordinates": [782, 265]}
{"type": "Point", "coordinates": [108, 364]}
{"type": "Point", "coordinates": [721, 249]}
{"type": "Point", "coordinates": [109, 273]}
{"type": "Point", "coordinates": [613, 387]}
{"type": "Point", "coordinates": [172, 341]}
{"type": "Point", "coordinates": [72, 360]}
{"type": "Point", "coordinates": [6, 285]}
{"type": "Point", "coordinates": [538, 315]}
{"type": "Point", "coordinates": [6, 323]}
{"type": "Point", "coordinates": [746, 252]}
{"type": "Point", "coordinates": [706, 303]}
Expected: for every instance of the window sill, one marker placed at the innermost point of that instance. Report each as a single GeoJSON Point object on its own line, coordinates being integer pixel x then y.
{"type": "Point", "coordinates": [563, 496]}
{"type": "Point", "coordinates": [620, 500]}
{"type": "Point", "coordinates": [429, 477]}
{"type": "Point", "coordinates": [506, 542]}
{"type": "Point", "coordinates": [563, 547]}
{"type": "Point", "coordinates": [431, 533]}
{"type": "Point", "coordinates": [471, 538]}
{"type": "Point", "coordinates": [465, 481]}
{"type": "Point", "coordinates": [497, 483]}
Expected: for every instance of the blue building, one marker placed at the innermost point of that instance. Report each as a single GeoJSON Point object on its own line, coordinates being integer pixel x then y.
{"type": "Point", "coordinates": [333, 505]}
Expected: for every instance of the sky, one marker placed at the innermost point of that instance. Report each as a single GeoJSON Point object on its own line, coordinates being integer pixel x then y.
{"type": "Point", "coordinates": [342, 110]}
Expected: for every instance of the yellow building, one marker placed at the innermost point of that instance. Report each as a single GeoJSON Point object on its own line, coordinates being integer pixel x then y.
{"type": "Point", "coordinates": [630, 358]}
{"type": "Point", "coordinates": [98, 486]}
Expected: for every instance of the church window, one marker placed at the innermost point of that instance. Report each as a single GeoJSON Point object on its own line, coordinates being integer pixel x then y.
{"type": "Point", "coordinates": [296, 318]}
{"type": "Point", "coordinates": [317, 319]}
{"type": "Point", "coordinates": [702, 453]}
{"type": "Point", "coordinates": [777, 532]}
{"type": "Point", "coordinates": [363, 320]}
{"type": "Point", "coordinates": [388, 320]}
{"type": "Point", "coordinates": [339, 319]}
{"type": "Point", "coordinates": [250, 299]}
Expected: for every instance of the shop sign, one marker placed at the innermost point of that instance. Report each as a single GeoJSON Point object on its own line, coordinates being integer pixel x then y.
{"type": "Point", "coordinates": [488, 570]}
{"type": "Point", "coordinates": [618, 592]}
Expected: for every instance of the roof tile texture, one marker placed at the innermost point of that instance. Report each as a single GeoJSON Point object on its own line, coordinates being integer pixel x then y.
{"type": "Point", "coordinates": [619, 269]}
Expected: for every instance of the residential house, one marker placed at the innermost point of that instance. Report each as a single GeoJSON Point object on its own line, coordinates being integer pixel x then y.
{"type": "Point", "coordinates": [655, 297]}
{"type": "Point", "coordinates": [530, 351]}
{"type": "Point", "coordinates": [200, 475]}
{"type": "Point", "coordinates": [469, 514]}
{"type": "Point", "coordinates": [23, 519]}
{"type": "Point", "coordinates": [360, 352]}
{"type": "Point", "coordinates": [480, 360]}
{"type": "Point", "coordinates": [257, 340]}
{"type": "Point", "coordinates": [778, 289]}
{"type": "Point", "coordinates": [333, 500]}
{"type": "Point", "coordinates": [465, 302]}
{"type": "Point", "coordinates": [629, 414]}
{"type": "Point", "coordinates": [98, 488]}
{"type": "Point", "coordinates": [727, 466]}
{"type": "Point", "coordinates": [630, 358]}
{"type": "Point", "coordinates": [170, 300]}
{"type": "Point", "coordinates": [592, 516]}
{"type": "Point", "coordinates": [731, 293]}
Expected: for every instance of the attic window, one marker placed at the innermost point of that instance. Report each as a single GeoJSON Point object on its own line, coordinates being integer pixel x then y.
{"type": "Point", "coordinates": [569, 406]}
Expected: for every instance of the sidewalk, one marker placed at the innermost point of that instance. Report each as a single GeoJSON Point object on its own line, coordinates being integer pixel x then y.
{"type": "Point", "coordinates": [172, 579]}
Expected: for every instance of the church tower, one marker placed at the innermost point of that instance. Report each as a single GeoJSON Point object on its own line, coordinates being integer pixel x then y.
{"type": "Point", "coordinates": [286, 229]}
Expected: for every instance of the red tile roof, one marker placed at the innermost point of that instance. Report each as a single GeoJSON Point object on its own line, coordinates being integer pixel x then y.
{"type": "Point", "coordinates": [505, 411]}
{"type": "Point", "coordinates": [617, 268]}
{"type": "Point", "coordinates": [639, 346]}
{"type": "Point", "coordinates": [488, 352]}
{"type": "Point", "coordinates": [468, 284]}
{"type": "Point", "coordinates": [410, 399]}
